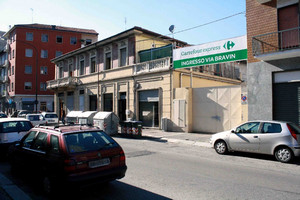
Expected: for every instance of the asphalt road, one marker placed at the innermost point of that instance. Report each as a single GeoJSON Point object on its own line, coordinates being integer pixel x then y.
{"type": "Point", "coordinates": [162, 170]}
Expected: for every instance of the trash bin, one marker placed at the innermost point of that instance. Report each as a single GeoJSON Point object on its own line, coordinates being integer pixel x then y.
{"type": "Point", "coordinates": [72, 117]}
{"type": "Point", "coordinates": [86, 118]}
{"type": "Point", "coordinates": [123, 127]}
{"type": "Point", "coordinates": [136, 128]}
{"type": "Point", "coordinates": [128, 127]}
{"type": "Point", "coordinates": [107, 121]}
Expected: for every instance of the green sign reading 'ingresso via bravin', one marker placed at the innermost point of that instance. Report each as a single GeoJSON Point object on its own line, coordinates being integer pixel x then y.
{"type": "Point", "coordinates": [229, 50]}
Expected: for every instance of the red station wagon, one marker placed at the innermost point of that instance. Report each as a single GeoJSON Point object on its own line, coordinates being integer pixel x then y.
{"type": "Point", "coordinates": [77, 155]}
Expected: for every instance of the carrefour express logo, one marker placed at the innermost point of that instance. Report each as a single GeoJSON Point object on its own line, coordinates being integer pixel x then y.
{"type": "Point", "coordinates": [228, 45]}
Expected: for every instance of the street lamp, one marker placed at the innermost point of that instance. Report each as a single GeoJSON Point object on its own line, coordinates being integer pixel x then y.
{"type": "Point", "coordinates": [36, 71]}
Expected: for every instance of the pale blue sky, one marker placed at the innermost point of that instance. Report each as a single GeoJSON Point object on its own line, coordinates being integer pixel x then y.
{"type": "Point", "coordinates": [107, 17]}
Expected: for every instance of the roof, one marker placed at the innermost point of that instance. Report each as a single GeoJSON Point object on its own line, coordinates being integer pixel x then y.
{"type": "Point", "coordinates": [53, 27]}
{"type": "Point", "coordinates": [120, 35]}
{"type": "Point", "coordinates": [12, 119]}
{"type": "Point", "coordinates": [69, 129]}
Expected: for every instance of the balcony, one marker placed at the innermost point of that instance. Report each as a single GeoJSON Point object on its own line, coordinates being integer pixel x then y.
{"type": "Point", "coordinates": [152, 66]}
{"type": "Point", "coordinates": [68, 82]}
{"type": "Point", "coordinates": [277, 45]}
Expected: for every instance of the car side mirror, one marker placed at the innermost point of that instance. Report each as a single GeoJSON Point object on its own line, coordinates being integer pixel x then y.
{"type": "Point", "coordinates": [233, 131]}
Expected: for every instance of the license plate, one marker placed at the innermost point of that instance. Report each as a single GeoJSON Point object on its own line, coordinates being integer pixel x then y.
{"type": "Point", "coordinates": [99, 163]}
{"type": "Point", "coordinates": [51, 120]}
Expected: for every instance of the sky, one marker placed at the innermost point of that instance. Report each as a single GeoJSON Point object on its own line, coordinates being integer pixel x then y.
{"type": "Point", "coordinates": [110, 17]}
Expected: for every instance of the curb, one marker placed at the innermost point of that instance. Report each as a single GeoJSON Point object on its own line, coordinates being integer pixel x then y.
{"type": "Point", "coordinates": [12, 191]}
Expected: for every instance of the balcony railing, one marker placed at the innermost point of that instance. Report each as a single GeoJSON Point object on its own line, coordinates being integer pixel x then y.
{"type": "Point", "coordinates": [276, 42]}
{"type": "Point", "coordinates": [152, 66]}
{"type": "Point", "coordinates": [62, 82]}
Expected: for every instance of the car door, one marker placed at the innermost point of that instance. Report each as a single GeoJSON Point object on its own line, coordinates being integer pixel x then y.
{"type": "Point", "coordinates": [245, 137]}
{"type": "Point", "coordinates": [270, 137]}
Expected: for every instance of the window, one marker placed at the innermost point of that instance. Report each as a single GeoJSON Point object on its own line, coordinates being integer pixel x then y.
{"type": "Point", "coordinates": [54, 144]}
{"type": "Point", "coordinates": [123, 57]}
{"type": "Point", "coordinates": [13, 53]}
{"type": "Point", "coordinates": [93, 64]}
{"type": "Point", "coordinates": [88, 41]}
{"type": "Point", "coordinates": [73, 40]}
{"type": "Point", "coordinates": [82, 69]}
{"type": "Point", "coordinates": [59, 39]}
{"type": "Point", "coordinates": [29, 36]}
{"type": "Point", "coordinates": [58, 53]}
{"type": "Point", "coordinates": [70, 69]}
{"type": "Point", "coordinates": [28, 53]}
{"type": "Point", "coordinates": [44, 54]}
{"type": "Point", "coordinates": [271, 128]}
{"type": "Point", "coordinates": [43, 106]}
{"type": "Point", "coordinates": [28, 86]}
{"type": "Point", "coordinates": [43, 86]}
{"type": "Point", "coordinates": [108, 60]}
{"type": "Point", "coordinates": [12, 70]}
{"type": "Point", "coordinates": [12, 87]}
{"type": "Point", "coordinates": [28, 69]}
{"type": "Point", "coordinates": [29, 139]}
{"type": "Point", "coordinates": [40, 142]}
{"type": "Point", "coordinates": [60, 71]}
{"type": "Point", "coordinates": [251, 127]}
{"type": "Point", "coordinates": [44, 70]}
{"type": "Point", "coordinates": [44, 38]}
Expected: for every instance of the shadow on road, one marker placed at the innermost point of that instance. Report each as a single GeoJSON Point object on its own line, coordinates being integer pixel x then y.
{"type": "Point", "coordinates": [295, 161]}
{"type": "Point", "coordinates": [155, 139]}
{"type": "Point", "coordinates": [114, 190]}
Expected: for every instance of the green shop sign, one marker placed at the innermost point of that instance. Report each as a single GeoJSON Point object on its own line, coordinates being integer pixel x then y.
{"type": "Point", "coordinates": [229, 50]}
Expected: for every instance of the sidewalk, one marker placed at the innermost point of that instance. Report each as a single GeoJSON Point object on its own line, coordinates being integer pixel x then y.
{"type": "Point", "coordinates": [196, 139]}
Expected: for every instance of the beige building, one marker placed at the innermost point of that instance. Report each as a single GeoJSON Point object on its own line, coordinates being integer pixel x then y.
{"type": "Point", "coordinates": [131, 74]}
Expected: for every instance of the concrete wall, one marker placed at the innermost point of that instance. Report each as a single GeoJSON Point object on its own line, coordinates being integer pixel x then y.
{"type": "Point", "coordinates": [260, 83]}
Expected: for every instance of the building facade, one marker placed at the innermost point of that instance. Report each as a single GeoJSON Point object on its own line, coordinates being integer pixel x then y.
{"type": "Point", "coordinates": [273, 60]}
{"type": "Point", "coordinates": [30, 49]}
{"type": "Point", "coordinates": [4, 105]}
{"type": "Point", "coordinates": [131, 75]}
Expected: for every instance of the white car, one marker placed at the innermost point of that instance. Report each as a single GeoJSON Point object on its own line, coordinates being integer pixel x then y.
{"type": "Point", "coordinates": [36, 119]}
{"type": "Point", "coordinates": [281, 139]}
{"type": "Point", "coordinates": [12, 130]}
{"type": "Point", "coordinates": [51, 118]}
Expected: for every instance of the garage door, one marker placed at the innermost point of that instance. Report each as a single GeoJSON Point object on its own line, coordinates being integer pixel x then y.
{"type": "Point", "coordinates": [286, 97]}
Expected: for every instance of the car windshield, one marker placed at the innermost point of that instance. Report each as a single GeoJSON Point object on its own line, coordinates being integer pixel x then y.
{"type": "Point", "coordinates": [34, 117]}
{"type": "Point", "coordinates": [51, 116]}
{"type": "Point", "coordinates": [15, 126]}
{"type": "Point", "coordinates": [88, 141]}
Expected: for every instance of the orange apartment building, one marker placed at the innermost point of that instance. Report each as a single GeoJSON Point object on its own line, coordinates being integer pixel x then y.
{"type": "Point", "coordinates": [30, 49]}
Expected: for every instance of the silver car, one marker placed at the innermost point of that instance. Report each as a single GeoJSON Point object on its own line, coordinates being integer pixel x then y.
{"type": "Point", "coordinates": [281, 139]}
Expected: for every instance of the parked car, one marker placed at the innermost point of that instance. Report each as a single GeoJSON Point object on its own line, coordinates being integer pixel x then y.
{"type": "Point", "coordinates": [23, 113]}
{"type": "Point", "coordinates": [281, 139]}
{"type": "Point", "coordinates": [36, 119]}
{"type": "Point", "coordinates": [12, 130]}
{"type": "Point", "coordinates": [3, 115]}
{"type": "Point", "coordinates": [50, 117]}
{"type": "Point", "coordinates": [68, 156]}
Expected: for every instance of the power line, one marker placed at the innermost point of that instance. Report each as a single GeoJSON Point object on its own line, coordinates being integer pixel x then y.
{"type": "Point", "coordinates": [188, 29]}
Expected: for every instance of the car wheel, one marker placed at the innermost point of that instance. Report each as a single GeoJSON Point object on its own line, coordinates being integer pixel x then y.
{"type": "Point", "coordinates": [283, 154]}
{"type": "Point", "coordinates": [47, 185]}
{"type": "Point", "coordinates": [221, 147]}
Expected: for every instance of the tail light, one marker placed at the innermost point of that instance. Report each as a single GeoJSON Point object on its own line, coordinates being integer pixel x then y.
{"type": "Point", "coordinates": [292, 131]}
{"type": "Point", "coordinates": [70, 165]}
{"type": "Point", "coordinates": [122, 159]}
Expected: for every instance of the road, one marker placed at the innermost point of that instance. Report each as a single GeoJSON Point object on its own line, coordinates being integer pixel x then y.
{"type": "Point", "coordinates": [162, 170]}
